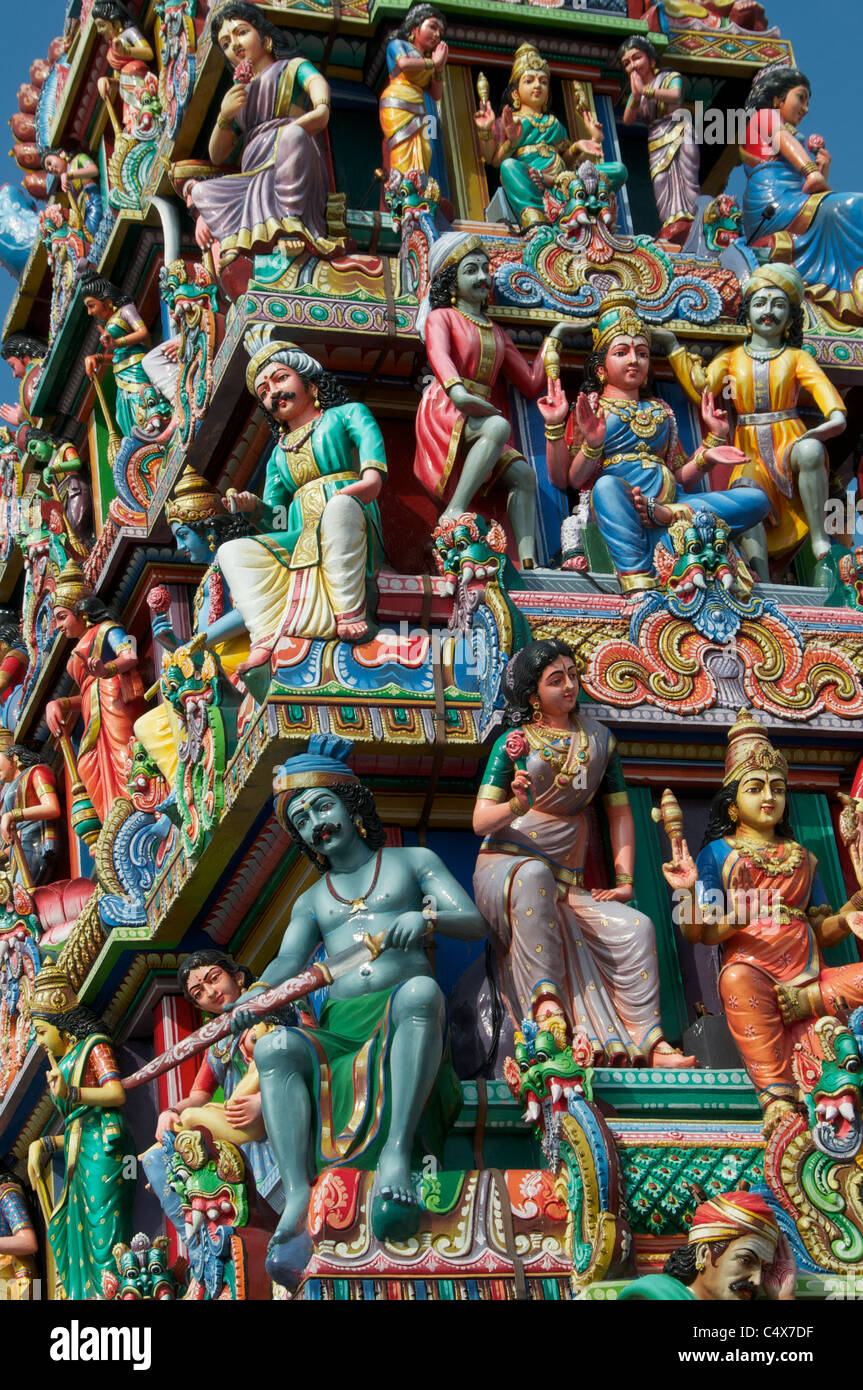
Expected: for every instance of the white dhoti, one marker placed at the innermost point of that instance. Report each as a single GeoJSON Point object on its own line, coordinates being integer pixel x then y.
{"type": "Point", "coordinates": [276, 597]}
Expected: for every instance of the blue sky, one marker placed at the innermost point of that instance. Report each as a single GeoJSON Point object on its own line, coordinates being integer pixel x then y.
{"type": "Point", "coordinates": [826, 35]}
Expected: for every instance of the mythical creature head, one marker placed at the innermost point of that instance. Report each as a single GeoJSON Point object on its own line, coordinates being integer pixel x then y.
{"type": "Point", "coordinates": [832, 1085]}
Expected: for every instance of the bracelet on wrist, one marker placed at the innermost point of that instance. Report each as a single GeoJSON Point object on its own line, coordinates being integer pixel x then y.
{"type": "Point", "coordinates": [714, 441]}
{"type": "Point", "coordinates": [515, 807]}
{"type": "Point", "coordinates": [591, 451]}
{"type": "Point", "coordinates": [555, 431]}
{"type": "Point", "coordinates": [622, 880]}
{"type": "Point", "coordinates": [810, 167]}
{"type": "Point", "coordinates": [224, 124]}
{"type": "Point", "coordinates": [47, 1145]}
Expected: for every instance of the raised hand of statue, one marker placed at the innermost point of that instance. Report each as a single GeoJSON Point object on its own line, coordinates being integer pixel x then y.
{"type": "Point", "coordinates": [485, 118]}
{"type": "Point", "coordinates": [511, 125]}
{"type": "Point", "coordinates": [554, 406]}
{"type": "Point", "coordinates": [714, 417]}
{"type": "Point", "coordinates": [57, 1082]}
{"type": "Point", "coordinates": [521, 789]}
{"type": "Point", "coordinates": [11, 414]}
{"type": "Point", "coordinates": [636, 84]}
{"type": "Point", "coordinates": [243, 1111]}
{"type": "Point", "coordinates": [590, 420]}
{"type": "Point", "coordinates": [851, 831]}
{"type": "Point", "coordinates": [406, 933]}
{"type": "Point", "coordinates": [439, 57]}
{"type": "Point", "coordinates": [233, 101]}
{"type": "Point", "coordinates": [681, 873]}
{"type": "Point", "coordinates": [780, 1278]}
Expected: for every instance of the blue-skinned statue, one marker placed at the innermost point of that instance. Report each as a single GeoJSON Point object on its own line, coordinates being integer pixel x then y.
{"type": "Point", "coordinates": [199, 522]}
{"type": "Point", "coordinates": [214, 981]}
{"type": "Point", "coordinates": [371, 1087]}
{"type": "Point", "coordinates": [627, 445]}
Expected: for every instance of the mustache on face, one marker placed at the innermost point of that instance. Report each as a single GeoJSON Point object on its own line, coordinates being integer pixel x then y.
{"type": "Point", "coordinates": [744, 1286]}
{"type": "Point", "coordinates": [282, 398]}
{"type": "Point", "coordinates": [329, 828]}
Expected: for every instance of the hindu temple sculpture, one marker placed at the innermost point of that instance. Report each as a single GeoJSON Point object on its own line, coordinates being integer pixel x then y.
{"type": "Point", "coordinates": [766, 375]}
{"type": "Point", "coordinates": [655, 97]}
{"type": "Point", "coordinates": [308, 572]}
{"type": "Point", "coordinates": [281, 191]}
{"type": "Point", "coordinates": [463, 434]}
{"type": "Point", "coordinates": [598, 952]}
{"type": "Point", "coordinates": [104, 667]}
{"type": "Point", "coordinates": [529, 145]}
{"type": "Point", "coordinates": [733, 1252]}
{"type": "Point", "coordinates": [25, 355]}
{"type": "Point", "coordinates": [64, 478]}
{"type": "Point", "coordinates": [18, 1241]}
{"type": "Point", "coordinates": [93, 1211]}
{"type": "Point", "coordinates": [13, 653]}
{"type": "Point", "coordinates": [789, 208]}
{"type": "Point", "coordinates": [416, 61]}
{"type": "Point", "coordinates": [214, 981]}
{"type": "Point", "coordinates": [30, 809]}
{"type": "Point", "coordinates": [757, 893]}
{"type": "Point", "coordinates": [372, 1080]}
{"type": "Point", "coordinates": [129, 56]}
{"type": "Point", "coordinates": [80, 180]}
{"type": "Point", "coordinates": [124, 338]}
{"type": "Point", "coordinates": [627, 444]}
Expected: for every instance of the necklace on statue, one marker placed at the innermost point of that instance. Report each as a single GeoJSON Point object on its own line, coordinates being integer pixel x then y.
{"type": "Point", "coordinates": [772, 857]}
{"type": "Point", "coordinates": [764, 354]}
{"type": "Point", "coordinates": [358, 904]}
{"type": "Point", "coordinates": [543, 739]}
{"type": "Point", "coordinates": [473, 318]}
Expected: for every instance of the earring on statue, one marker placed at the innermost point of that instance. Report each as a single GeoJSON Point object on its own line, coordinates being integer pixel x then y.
{"type": "Point", "coordinates": [360, 828]}
{"type": "Point", "coordinates": [211, 542]}
{"type": "Point", "coordinates": [732, 813]}
{"type": "Point", "coordinates": [269, 45]}
{"type": "Point", "coordinates": [699, 1267]}
{"type": "Point", "coordinates": [537, 711]}
{"type": "Point", "coordinates": [515, 104]}
{"type": "Point", "coordinates": [600, 376]}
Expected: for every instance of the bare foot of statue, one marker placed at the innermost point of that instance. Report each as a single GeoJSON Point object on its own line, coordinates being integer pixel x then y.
{"type": "Point", "coordinates": [258, 656]}
{"type": "Point", "coordinates": [658, 515]}
{"type": "Point", "coordinates": [352, 629]}
{"type": "Point", "coordinates": [395, 1209]}
{"type": "Point", "coordinates": [664, 1055]}
{"type": "Point", "coordinates": [290, 1247]}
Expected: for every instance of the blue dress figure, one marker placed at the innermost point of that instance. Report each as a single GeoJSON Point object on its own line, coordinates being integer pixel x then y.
{"type": "Point", "coordinates": [416, 59]}
{"type": "Point", "coordinates": [631, 442]}
{"type": "Point", "coordinates": [789, 210]}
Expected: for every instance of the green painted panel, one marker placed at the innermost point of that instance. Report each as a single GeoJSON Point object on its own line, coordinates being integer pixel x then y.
{"type": "Point", "coordinates": [813, 827]}
{"type": "Point", "coordinates": [652, 897]}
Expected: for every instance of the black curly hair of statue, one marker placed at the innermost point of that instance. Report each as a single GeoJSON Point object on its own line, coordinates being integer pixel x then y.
{"type": "Point", "coordinates": [720, 824]}
{"type": "Point", "coordinates": [24, 756]}
{"type": "Point", "coordinates": [681, 1263]}
{"type": "Point", "coordinates": [774, 80]}
{"type": "Point", "coordinates": [591, 380]}
{"type": "Point", "coordinates": [442, 288]}
{"type": "Point", "coordinates": [524, 672]}
{"type": "Point", "coordinates": [793, 328]}
{"type": "Point", "coordinates": [357, 801]}
{"type": "Point", "coordinates": [111, 10]}
{"type": "Point", "coordinates": [10, 627]}
{"type": "Point", "coordinates": [42, 437]}
{"type": "Point", "coordinates": [200, 960]}
{"type": "Point", "coordinates": [417, 15]}
{"type": "Point", "coordinates": [642, 44]}
{"type": "Point", "coordinates": [224, 528]}
{"type": "Point", "coordinates": [78, 1023]}
{"type": "Point", "coordinates": [250, 14]}
{"type": "Point", "coordinates": [23, 345]}
{"type": "Point", "coordinates": [97, 287]}
{"type": "Point", "coordinates": [94, 610]}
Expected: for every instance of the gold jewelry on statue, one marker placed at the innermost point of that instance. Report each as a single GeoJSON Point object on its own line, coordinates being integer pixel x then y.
{"type": "Point", "coordinates": [592, 451]}
{"type": "Point", "coordinates": [699, 1267]}
{"type": "Point", "coordinates": [713, 441]}
{"type": "Point", "coordinates": [322, 102]}
{"type": "Point", "coordinates": [732, 813]}
{"type": "Point", "coordinates": [52, 993]}
{"type": "Point", "coordinates": [555, 431]}
{"type": "Point", "coordinates": [71, 586]}
{"type": "Point", "coordinates": [810, 167]}
{"type": "Point", "coordinates": [750, 750]}
{"type": "Point", "coordinates": [527, 59]}
{"type": "Point", "coordinates": [360, 828]}
{"type": "Point", "coordinates": [515, 807]}
{"type": "Point", "coordinates": [225, 123]}
{"type": "Point", "coordinates": [769, 855]}
{"type": "Point", "coordinates": [543, 740]}
{"type": "Point", "coordinates": [194, 500]}
{"type": "Point", "coordinates": [620, 880]}
{"type": "Point", "coordinates": [268, 45]}
{"type": "Point", "coordinates": [619, 316]}
{"type": "Point", "coordinates": [649, 91]}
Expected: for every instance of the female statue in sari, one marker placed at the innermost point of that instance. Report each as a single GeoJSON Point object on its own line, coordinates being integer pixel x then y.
{"type": "Point", "coordinates": [656, 98]}
{"type": "Point", "coordinates": [129, 54]}
{"type": "Point", "coordinates": [789, 208]}
{"type": "Point", "coordinates": [416, 59]}
{"type": "Point", "coordinates": [598, 952]}
{"type": "Point", "coordinates": [104, 666]}
{"type": "Point", "coordinates": [282, 188]}
{"type": "Point", "coordinates": [94, 1210]}
{"type": "Point", "coordinates": [124, 339]}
